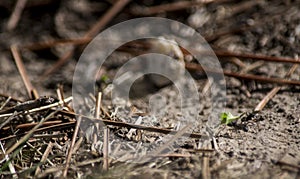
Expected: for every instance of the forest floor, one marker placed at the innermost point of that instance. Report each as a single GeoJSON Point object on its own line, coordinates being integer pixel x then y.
{"type": "Point", "coordinates": [258, 38]}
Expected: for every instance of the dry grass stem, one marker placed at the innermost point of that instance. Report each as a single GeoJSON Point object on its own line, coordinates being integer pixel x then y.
{"type": "Point", "coordinates": [16, 14]}
{"type": "Point", "coordinates": [205, 168]}
{"type": "Point", "coordinates": [275, 90]}
{"type": "Point", "coordinates": [44, 157]}
{"type": "Point", "coordinates": [40, 153]}
{"type": "Point", "coordinates": [197, 67]}
{"type": "Point", "coordinates": [22, 70]}
{"type": "Point", "coordinates": [106, 18]}
{"type": "Point", "coordinates": [252, 66]}
{"type": "Point", "coordinates": [43, 129]}
{"type": "Point", "coordinates": [106, 149]}
{"type": "Point", "coordinates": [175, 6]}
{"type": "Point", "coordinates": [29, 134]}
{"type": "Point", "coordinates": [10, 165]}
{"type": "Point", "coordinates": [101, 23]}
{"type": "Point", "coordinates": [54, 43]}
{"type": "Point", "coordinates": [67, 100]}
{"type": "Point", "coordinates": [70, 151]}
{"type": "Point", "coordinates": [5, 103]}
{"type": "Point", "coordinates": [223, 53]}
{"type": "Point", "coordinates": [105, 133]}
{"type": "Point", "coordinates": [8, 120]}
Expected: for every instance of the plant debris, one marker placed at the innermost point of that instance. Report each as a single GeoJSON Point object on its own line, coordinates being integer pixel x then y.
{"type": "Point", "coordinates": [42, 136]}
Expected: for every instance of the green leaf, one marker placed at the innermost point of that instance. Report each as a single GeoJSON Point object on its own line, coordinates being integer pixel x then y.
{"type": "Point", "coordinates": [104, 79]}
{"type": "Point", "coordinates": [227, 118]}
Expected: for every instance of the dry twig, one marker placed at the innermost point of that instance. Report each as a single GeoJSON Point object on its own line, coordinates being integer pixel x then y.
{"type": "Point", "coordinates": [175, 6]}
{"type": "Point", "coordinates": [274, 91]}
{"type": "Point", "coordinates": [102, 22]}
{"type": "Point", "coordinates": [10, 166]}
{"type": "Point", "coordinates": [22, 70]}
{"type": "Point", "coordinates": [105, 135]}
{"type": "Point", "coordinates": [27, 136]}
{"type": "Point", "coordinates": [197, 67]}
{"type": "Point", "coordinates": [29, 125]}
{"type": "Point", "coordinates": [223, 53]}
{"type": "Point", "coordinates": [44, 157]}
{"type": "Point", "coordinates": [78, 122]}
{"type": "Point", "coordinates": [43, 129]}
{"type": "Point", "coordinates": [67, 100]}
{"type": "Point", "coordinates": [53, 43]}
{"type": "Point", "coordinates": [5, 103]}
{"type": "Point", "coordinates": [206, 169]}
{"type": "Point", "coordinates": [15, 16]}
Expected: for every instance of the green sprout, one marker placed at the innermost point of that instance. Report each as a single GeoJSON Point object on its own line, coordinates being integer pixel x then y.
{"type": "Point", "coordinates": [104, 79]}
{"type": "Point", "coordinates": [227, 117]}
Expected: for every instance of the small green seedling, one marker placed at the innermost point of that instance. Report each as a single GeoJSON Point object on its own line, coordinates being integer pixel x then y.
{"type": "Point", "coordinates": [227, 117]}
{"type": "Point", "coordinates": [104, 79]}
